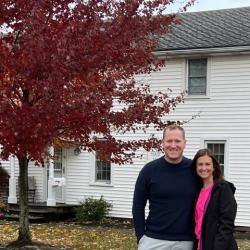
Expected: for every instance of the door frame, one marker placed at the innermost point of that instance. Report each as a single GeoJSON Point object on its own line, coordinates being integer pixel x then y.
{"type": "Point", "coordinates": [46, 178]}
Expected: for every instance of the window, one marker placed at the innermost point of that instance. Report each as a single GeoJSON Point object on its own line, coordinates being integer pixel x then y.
{"type": "Point", "coordinates": [197, 77]}
{"type": "Point", "coordinates": [102, 168]}
{"type": "Point", "coordinates": [58, 162]}
{"type": "Point", "coordinates": [218, 149]}
{"type": "Point", "coordinates": [58, 159]}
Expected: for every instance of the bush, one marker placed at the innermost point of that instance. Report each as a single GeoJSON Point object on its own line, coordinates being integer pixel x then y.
{"type": "Point", "coordinates": [93, 210]}
{"type": "Point", "coordinates": [3, 208]}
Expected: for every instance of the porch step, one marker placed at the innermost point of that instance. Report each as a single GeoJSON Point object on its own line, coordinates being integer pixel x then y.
{"type": "Point", "coordinates": [40, 212]}
{"type": "Point", "coordinates": [32, 219]}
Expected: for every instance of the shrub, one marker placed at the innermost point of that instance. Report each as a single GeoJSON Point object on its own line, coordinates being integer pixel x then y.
{"type": "Point", "coordinates": [93, 210]}
{"type": "Point", "coordinates": [3, 208]}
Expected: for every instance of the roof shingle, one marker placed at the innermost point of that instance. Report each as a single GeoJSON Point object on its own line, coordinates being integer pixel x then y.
{"type": "Point", "coordinates": [209, 29]}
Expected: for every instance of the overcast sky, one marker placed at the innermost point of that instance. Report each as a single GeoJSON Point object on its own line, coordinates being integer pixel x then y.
{"type": "Point", "coordinates": [201, 5]}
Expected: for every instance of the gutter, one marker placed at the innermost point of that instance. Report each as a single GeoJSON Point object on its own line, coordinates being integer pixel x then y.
{"type": "Point", "coordinates": [239, 50]}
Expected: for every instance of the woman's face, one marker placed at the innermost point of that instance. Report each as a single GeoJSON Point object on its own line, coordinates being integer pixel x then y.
{"type": "Point", "coordinates": [205, 168]}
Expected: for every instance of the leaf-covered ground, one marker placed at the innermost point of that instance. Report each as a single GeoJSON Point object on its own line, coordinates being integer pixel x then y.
{"type": "Point", "coordinates": [75, 236]}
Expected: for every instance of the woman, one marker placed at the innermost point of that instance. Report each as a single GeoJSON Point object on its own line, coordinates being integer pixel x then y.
{"type": "Point", "coordinates": [215, 208]}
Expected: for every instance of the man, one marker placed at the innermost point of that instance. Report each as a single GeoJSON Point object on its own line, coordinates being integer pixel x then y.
{"type": "Point", "coordinates": [169, 184]}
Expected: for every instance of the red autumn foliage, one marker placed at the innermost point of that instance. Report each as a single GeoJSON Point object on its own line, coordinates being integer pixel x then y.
{"type": "Point", "coordinates": [64, 68]}
{"type": "Point", "coordinates": [64, 65]}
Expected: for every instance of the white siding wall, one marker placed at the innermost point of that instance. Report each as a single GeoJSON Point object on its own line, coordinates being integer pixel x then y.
{"type": "Point", "coordinates": [38, 173]}
{"type": "Point", "coordinates": [35, 171]}
{"type": "Point", "coordinates": [6, 165]}
{"type": "Point", "coordinates": [120, 192]}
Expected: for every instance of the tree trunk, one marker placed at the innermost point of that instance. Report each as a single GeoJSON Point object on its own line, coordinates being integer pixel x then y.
{"type": "Point", "coordinates": [24, 231]}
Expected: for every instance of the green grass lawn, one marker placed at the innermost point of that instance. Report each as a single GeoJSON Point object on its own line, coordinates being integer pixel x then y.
{"type": "Point", "coordinates": [75, 236]}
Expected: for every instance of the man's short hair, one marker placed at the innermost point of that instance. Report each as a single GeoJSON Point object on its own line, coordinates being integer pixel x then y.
{"type": "Point", "coordinates": [174, 127]}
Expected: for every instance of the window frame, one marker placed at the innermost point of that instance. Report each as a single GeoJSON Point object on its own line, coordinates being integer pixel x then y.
{"type": "Point", "coordinates": [196, 96]}
{"type": "Point", "coordinates": [225, 141]}
{"type": "Point", "coordinates": [58, 161]}
{"type": "Point", "coordinates": [104, 164]}
{"type": "Point", "coordinates": [92, 180]}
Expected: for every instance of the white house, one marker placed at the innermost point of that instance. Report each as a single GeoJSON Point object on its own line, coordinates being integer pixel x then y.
{"type": "Point", "coordinates": [209, 56]}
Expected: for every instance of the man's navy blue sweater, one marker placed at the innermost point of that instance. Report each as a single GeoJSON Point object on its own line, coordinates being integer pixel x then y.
{"type": "Point", "coordinates": [170, 190]}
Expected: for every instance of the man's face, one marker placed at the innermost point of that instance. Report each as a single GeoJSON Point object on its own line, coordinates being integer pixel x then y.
{"type": "Point", "coordinates": [173, 145]}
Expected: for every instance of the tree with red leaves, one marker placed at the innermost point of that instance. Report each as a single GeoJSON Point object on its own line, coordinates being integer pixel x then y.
{"type": "Point", "coordinates": [64, 66]}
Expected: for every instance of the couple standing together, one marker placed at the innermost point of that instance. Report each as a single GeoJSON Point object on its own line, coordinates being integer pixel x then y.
{"type": "Point", "coordinates": [191, 207]}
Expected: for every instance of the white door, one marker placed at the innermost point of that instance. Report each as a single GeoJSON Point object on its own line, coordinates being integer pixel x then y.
{"type": "Point", "coordinates": [59, 172]}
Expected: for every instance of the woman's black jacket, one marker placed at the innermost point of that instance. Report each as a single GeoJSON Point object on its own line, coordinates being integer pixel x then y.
{"type": "Point", "coordinates": [218, 222]}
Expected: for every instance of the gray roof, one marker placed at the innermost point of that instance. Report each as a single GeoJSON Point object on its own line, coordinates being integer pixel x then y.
{"type": "Point", "coordinates": [209, 29]}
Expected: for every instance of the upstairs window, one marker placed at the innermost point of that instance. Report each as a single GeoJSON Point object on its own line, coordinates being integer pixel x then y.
{"type": "Point", "coordinates": [197, 77]}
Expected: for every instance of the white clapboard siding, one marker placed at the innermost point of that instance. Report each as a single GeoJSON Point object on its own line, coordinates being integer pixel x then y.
{"type": "Point", "coordinates": [6, 165]}
{"type": "Point", "coordinates": [32, 171]}
{"type": "Point", "coordinates": [38, 172]}
{"type": "Point", "coordinates": [120, 193]}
